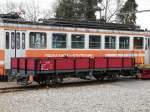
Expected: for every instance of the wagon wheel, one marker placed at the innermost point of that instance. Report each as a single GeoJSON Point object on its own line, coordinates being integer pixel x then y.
{"type": "Point", "coordinates": [115, 77]}
{"type": "Point", "coordinates": [22, 81]}
{"type": "Point", "coordinates": [56, 80]}
{"type": "Point", "coordinates": [60, 79]}
{"type": "Point", "coordinates": [42, 83]}
{"type": "Point", "coordinates": [98, 77]}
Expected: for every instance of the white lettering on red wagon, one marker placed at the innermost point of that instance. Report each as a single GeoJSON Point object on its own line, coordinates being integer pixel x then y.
{"type": "Point", "coordinates": [47, 65]}
{"type": "Point", "coordinates": [70, 55]}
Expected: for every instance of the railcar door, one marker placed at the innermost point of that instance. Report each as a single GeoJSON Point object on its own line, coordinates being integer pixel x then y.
{"type": "Point", "coordinates": [147, 51]}
{"type": "Point", "coordinates": [14, 45]}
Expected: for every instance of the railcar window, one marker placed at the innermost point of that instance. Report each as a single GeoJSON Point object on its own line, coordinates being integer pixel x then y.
{"type": "Point", "coordinates": [110, 42]}
{"type": "Point", "coordinates": [94, 42]}
{"type": "Point", "coordinates": [18, 40]}
{"type": "Point", "coordinates": [77, 41]}
{"type": "Point", "coordinates": [124, 42]}
{"type": "Point", "coordinates": [7, 40]}
{"type": "Point", "coordinates": [59, 41]}
{"type": "Point", "coordinates": [148, 43]}
{"type": "Point", "coordinates": [38, 40]}
{"type": "Point", "coordinates": [23, 40]}
{"type": "Point", "coordinates": [138, 42]}
{"type": "Point", "coordinates": [13, 40]}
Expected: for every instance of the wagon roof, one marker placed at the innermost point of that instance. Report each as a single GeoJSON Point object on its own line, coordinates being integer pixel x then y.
{"type": "Point", "coordinates": [77, 24]}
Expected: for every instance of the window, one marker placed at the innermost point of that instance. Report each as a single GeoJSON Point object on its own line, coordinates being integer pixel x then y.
{"type": "Point", "coordinates": [59, 40]}
{"type": "Point", "coordinates": [138, 42]}
{"type": "Point", "coordinates": [110, 42]}
{"type": "Point", "coordinates": [124, 42]}
{"type": "Point", "coordinates": [38, 40]}
{"type": "Point", "coordinates": [7, 40]}
{"type": "Point", "coordinates": [148, 43]}
{"type": "Point", "coordinates": [23, 40]}
{"type": "Point", "coordinates": [18, 40]}
{"type": "Point", "coordinates": [94, 42]}
{"type": "Point", "coordinates": [13, 40]}
{"type": "Point", "coordinates": [77, 41]}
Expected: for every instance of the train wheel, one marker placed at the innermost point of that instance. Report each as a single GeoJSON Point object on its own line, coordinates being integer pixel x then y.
{"type": "Point", "coordinates": [41, 80]}
{"type": "Point", "coordinates": [42, 83]}
{"type": "Point", "coordinates": [60, 80]}
{"type": "Point", "coordinates": [22, 81]}
{"type": "Point", "coordinates": [114, 77]}
{"type": "Point", "coordinates": [57, 80]}
{"type": "Point", "coordinates": [99, 77]}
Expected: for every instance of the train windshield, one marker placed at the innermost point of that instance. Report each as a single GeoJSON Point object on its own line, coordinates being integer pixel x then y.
{"type": "Point", "coordinates": [138, 42]}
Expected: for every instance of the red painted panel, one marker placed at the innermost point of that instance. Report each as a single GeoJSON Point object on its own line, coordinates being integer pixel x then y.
{"type": "Point", "coordinates": [100, 62]}
{"type": "Point", "coordinates": [30, 64]}
{"type": "Point", "coordinates": [115, 63]}
{"type": "Point", "coordinates": [22, 63]}
{"type": "Point", "coordinates": [65, 64]}
{"type": "Point", "coordinates": [14, 63]}
{"type": "Point", "coordinates": [128, 63]}
{"type": "Point", "coordinates": [82, 63]}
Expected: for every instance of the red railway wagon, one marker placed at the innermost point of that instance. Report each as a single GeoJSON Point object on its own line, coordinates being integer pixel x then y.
{"type": "Point", "coordinates": [145, 74]}
{"type": "Point", "coordinates": [54, 69]}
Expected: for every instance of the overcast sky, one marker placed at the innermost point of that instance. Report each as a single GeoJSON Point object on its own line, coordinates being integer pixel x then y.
{"type": "Point", "coordinates": [143, 18]}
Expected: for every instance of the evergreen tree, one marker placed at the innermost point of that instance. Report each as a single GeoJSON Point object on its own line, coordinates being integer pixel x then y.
{"type": "Point", "coordinates": [125, 17]}
{"type": "Point", "coordinates": [66, 9]}
{"type": "Point", "coordinates": [87, 9]}
{"type": "Point", "coordinates": [77, 9]}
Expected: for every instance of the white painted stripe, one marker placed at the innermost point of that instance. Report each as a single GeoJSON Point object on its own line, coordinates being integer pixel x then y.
{"type": "Point", "coordinates": [124, 55]}
{"type": "Point", "coordinates": [1, 62]}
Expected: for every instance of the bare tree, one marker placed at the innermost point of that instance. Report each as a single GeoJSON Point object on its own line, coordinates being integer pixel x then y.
{"type": "Point", "coordinates": [33, 12]}
{"type": "Point", "coordinates": [1, 8]}
{"type": "Point", "coordinates": [30, 9]}
{"type": "Point", "coordinates": [110, 9]}
{"type": "Point", "coordinates": [50, 13]}
{"type": "Point", "coordinates": [10, 6]}
{"type": "Point", "coordinates": [47, 14]}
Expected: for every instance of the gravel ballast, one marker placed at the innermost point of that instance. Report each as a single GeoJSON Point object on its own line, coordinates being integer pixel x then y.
{"type": "Point", "coordinates": [122, 96]}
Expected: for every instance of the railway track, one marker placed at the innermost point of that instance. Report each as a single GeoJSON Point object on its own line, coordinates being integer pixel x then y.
{"type": "Point", "coordinates": [17, 89]}
{"type": "Point", "coordinates": [37, 87]}
{"type": "Point", "coordinates": [65, 84]}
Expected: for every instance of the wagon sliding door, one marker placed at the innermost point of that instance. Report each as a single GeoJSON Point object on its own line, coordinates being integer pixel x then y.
{"type": "Point", "coordinates": [147, 50]}
{"type": "Point", "coordinates": [14, 45]}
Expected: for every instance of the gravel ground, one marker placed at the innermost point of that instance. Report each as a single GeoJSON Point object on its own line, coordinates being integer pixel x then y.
{"type": "Point", "coordinates": [122, 96]}
{"type": "Point", "coordinates": [8, 84]}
